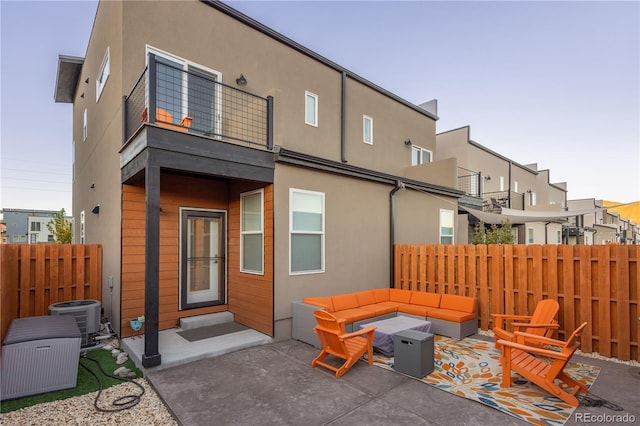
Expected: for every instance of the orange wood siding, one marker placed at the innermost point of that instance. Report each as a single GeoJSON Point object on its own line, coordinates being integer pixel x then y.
{"type": "Point", "coordinates": [176, 192]}
{"type": "Point", "coordinates": [251, 296]}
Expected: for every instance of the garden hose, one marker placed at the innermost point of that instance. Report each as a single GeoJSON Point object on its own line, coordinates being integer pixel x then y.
{"type": "Point", "coordinates": [122, 403]}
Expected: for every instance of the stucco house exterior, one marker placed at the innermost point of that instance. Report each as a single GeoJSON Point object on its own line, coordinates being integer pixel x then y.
{"type": "Point", "coordinates": [234, 169]}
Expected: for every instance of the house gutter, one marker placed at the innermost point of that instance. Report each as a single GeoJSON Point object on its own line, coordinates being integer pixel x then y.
{"type": "Point", "coordinates": [392, 228]}
{"type": "Point", "coordinates": [343, 119]}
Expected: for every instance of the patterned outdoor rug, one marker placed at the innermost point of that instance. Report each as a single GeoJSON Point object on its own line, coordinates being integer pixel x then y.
{"type": "Point", "coordinates": [470, 368]}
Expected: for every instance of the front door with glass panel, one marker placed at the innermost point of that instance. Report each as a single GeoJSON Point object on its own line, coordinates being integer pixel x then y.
{"type": "Point", "coordinates": [202, 281]}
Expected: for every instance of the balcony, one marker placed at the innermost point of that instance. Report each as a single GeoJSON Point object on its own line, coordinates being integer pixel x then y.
{"type": "Point", "coordinates": [196, 103]}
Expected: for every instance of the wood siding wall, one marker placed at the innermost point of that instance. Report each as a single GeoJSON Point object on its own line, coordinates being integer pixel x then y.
{"type": "Point", "coordinates": [251, 295]}
{"type": "Point", "coordinates": [36, 275]}
{"type": "Point", "coordinates": [599, 284]}
{"type": "Point", "coordinates": [247, 294]}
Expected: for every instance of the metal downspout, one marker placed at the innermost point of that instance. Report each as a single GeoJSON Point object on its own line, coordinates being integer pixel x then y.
{"type": "Point", "coordinates": [343, 120]}
{"type": "Point", "coordinates": [392, 231]}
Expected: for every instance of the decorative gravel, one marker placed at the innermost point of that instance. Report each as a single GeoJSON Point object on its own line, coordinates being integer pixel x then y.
{"type": "Point", "coordinates": [80, 410]}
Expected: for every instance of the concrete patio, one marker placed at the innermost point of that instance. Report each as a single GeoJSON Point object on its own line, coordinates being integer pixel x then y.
{"type": "Point", "coordinates": [274, 384]}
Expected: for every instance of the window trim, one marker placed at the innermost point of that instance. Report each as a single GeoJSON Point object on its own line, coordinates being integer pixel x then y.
{"type": "Point", "coordinates": [365, 119]}
{"type": "Point", "coordinates": [453, 226]}
{"type": "Point", "coordinates": [102, 77]}
{"type": "Point", "coordinates": [322, 233]}
{"type": "Point", "coordinates": [84, 126]}
{"type": "Point", "coordinates": [308, 94]}
{"type": "Point", "coordinates": [531, 237]}
{"type": "Point", "coordinates": [260, 232]}
{"type": "Point", "coordinates": [421, 151]}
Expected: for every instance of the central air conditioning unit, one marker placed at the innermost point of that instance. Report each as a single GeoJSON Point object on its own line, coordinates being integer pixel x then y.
{"type": "Point", "coordinates": [87, 314]}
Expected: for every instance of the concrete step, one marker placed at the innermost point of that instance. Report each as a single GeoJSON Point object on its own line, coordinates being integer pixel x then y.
{"type": "Point", "coordinates": [198, 321]}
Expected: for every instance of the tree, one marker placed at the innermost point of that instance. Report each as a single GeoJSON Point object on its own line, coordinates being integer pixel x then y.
{"type": "Point", "coordinates": [495, 235]}
{"type": "Point", "coordinates": [60, 228]}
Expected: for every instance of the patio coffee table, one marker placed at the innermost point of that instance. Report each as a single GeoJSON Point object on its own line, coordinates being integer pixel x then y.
{"type": "Point", "coordinates": [385, 329]}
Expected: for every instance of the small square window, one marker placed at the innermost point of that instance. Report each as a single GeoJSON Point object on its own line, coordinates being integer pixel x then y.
{"type": "Point", "coordinates": [367, 129]}
{"type": "Point", "coordinates": [311, 109]}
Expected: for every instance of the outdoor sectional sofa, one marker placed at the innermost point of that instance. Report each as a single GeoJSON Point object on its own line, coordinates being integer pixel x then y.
{"type": "Point", "coordinates": [450, 315]}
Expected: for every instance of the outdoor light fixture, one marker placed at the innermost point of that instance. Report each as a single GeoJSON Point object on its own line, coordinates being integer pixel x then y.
{"type": "Point", "coordinates": [96, 209]}
{"type": "Point", "coordinates": [241, 81]}
{"type": "Point", "coordinates": [93, 185]}
{"type": "Point", "coordinates": [487, 177]}
{"type": "Point", "coordinates": [87, 80]}
{"type": "Point", "coordinates": [407, 142]}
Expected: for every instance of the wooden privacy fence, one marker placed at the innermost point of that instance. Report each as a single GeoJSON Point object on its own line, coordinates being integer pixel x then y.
{"type": "Point", "coordinates": [599, 284]}
{"type": "Point", "coordinates": [33, 276]}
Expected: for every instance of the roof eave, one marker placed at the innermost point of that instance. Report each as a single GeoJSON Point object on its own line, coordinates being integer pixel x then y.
{"type": "Point", "coordinates": [69, 68]}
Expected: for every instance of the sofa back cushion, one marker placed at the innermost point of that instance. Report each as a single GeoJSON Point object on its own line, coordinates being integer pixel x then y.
{"type": "Point", "coordinates": [365, 298]}
{"type": "Point", "coordinates": [324, 302]}
{"type": "Point", "coordinates": [423, 298]}
{"type": "Point", "coordinates": [381, 294]}
{"type": "Point", "coordinates": [458, 303]}
{"type": "Point", "coordinates": [398, 295]}
{"type": "Point", "coordinates": [344, 301]}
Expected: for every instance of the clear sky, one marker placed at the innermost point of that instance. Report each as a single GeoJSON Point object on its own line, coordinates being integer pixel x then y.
{"type": "Point", "coordinates": [552, 83]}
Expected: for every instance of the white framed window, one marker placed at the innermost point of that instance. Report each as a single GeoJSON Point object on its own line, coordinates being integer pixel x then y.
{"type": "Point", "coordinates": [446, 226]}
{"type": "Point", "coordinates": [82, 227]}
{"type": "Point", "coordinates": [558, 237]}
{"type": "Point", "coordinates": [306, 232]}
{"type": "Point", "coordinates": [532, 198]}
{"type": "Point", "coordinates": [311, 109]}
{"type": "Point", "coordinates": [514, 232]}
{"type": "Point", "coordinates": [515, 186]}
{"type": "Point", "coordinates": [187, 89]}
{"type": "Point", "coordinates": [35, 226]}
{"type": "Point", "coordinates": [530, 236]}
{"type": "Point", "coordinates": [84, 125]}
{"type": "Point", "coordinates": [103, 75]}
{"type": "Point", "coordinates": [73, 160]}
{"type": "Point", "coordinates": [420, 155]}
{"type": "Point", "coordinates": [501, 183]}
{"type": "Point", "coordinates": [252, 232]}
{"type": "Point", "coordinates": [367, 129]}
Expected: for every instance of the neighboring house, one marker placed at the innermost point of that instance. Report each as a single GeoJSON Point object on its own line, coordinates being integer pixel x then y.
{"type": "Point", "coordinates": [29, 226]}
{"type": "Point", "coordinates": [225, 167]}
{"type": "Point", "coordinates": [503, 183]}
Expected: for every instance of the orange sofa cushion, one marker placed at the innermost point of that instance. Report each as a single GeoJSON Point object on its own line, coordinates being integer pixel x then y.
{"type": "Point", "coordinates": [342, 302]}
{"type": "Point", "coordinates": [398, 295]}
{"type": "Point", "coordinates": [425, 299]}
{"type": "Point", "coordinates": [365, 298]}
{"type": "Point", "coordinates": [353, 315]}
{"type": "Point", "coordinates": [379, 308]}
{"type": "Point", "coordinates": [451, 315]}
{"type": "Point", "coordinates": [323, 302]}
{"type": "Point", "coordinates": [415, 310]}
{"type": "Point", "coordinates": [381, 294]}
{"type": "Point", "coordinates": [458, 303]}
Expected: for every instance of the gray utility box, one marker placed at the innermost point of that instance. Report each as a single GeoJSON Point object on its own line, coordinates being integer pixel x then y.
{"type": "Point", "coordinates": [40, 354]}
{"type": "Point", "coordinates": [413, 353]}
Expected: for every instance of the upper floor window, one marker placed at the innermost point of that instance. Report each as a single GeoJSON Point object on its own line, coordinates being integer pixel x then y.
{"type": "Point", "coordinates": [515, 186]}
{"type": "Point", "coordinates": [306, 231]}
{"type": "Point", "coordinates": [367, 129]}
{"type": "Point", "coordinates": [530, 236]}
{"type": "Point", "coordinates": [252, 232]}
{"type": "Point", "coordinates": [84, 125]}
{"type": "Point", "coordinates": [311, 109]}
{"type": "Point", "coordinates": [103, 75]}
{"type": "Point", "coordinates": [35, 226]}
{"type": "Point", "coordinates": [420, 155]}
{"type": "Point", "coordinates": [446, 226]}
{"type": "Point", "coordinates": [501, 183]}
{"type": "Point", "coordinates": [532, 198]}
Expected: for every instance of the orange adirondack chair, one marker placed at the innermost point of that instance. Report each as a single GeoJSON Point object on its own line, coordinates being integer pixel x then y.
{"type": "Point", "coordinates": [165, 119]}
{"type": "Point", "coordinates": [335, 341]}
{"type": "Point", "coordinates": [541, 323]}
{"type": "Point", "coordinates": [543, 366]}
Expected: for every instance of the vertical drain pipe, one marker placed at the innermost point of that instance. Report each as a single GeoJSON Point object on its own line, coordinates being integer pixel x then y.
{"type": "Point", "coordinates": [343, 119]}
{"type": "Point", "coordinates": [392, 231]}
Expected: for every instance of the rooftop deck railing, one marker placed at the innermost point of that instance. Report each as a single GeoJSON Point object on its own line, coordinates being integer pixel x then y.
{"type": "Point", "coordinates": [469, 181]}
{"type": "Point", "coordinates": [194, 102]}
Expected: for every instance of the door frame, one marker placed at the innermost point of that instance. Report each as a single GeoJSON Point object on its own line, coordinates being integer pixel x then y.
{"type": "Point", "coordinates": [203, 212]}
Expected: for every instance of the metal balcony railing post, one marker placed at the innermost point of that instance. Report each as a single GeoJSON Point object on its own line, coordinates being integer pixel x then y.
{"type": "Point", "coordinates": [269, 122]}
{"type": "Point", "coordinates": [152, 88]}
